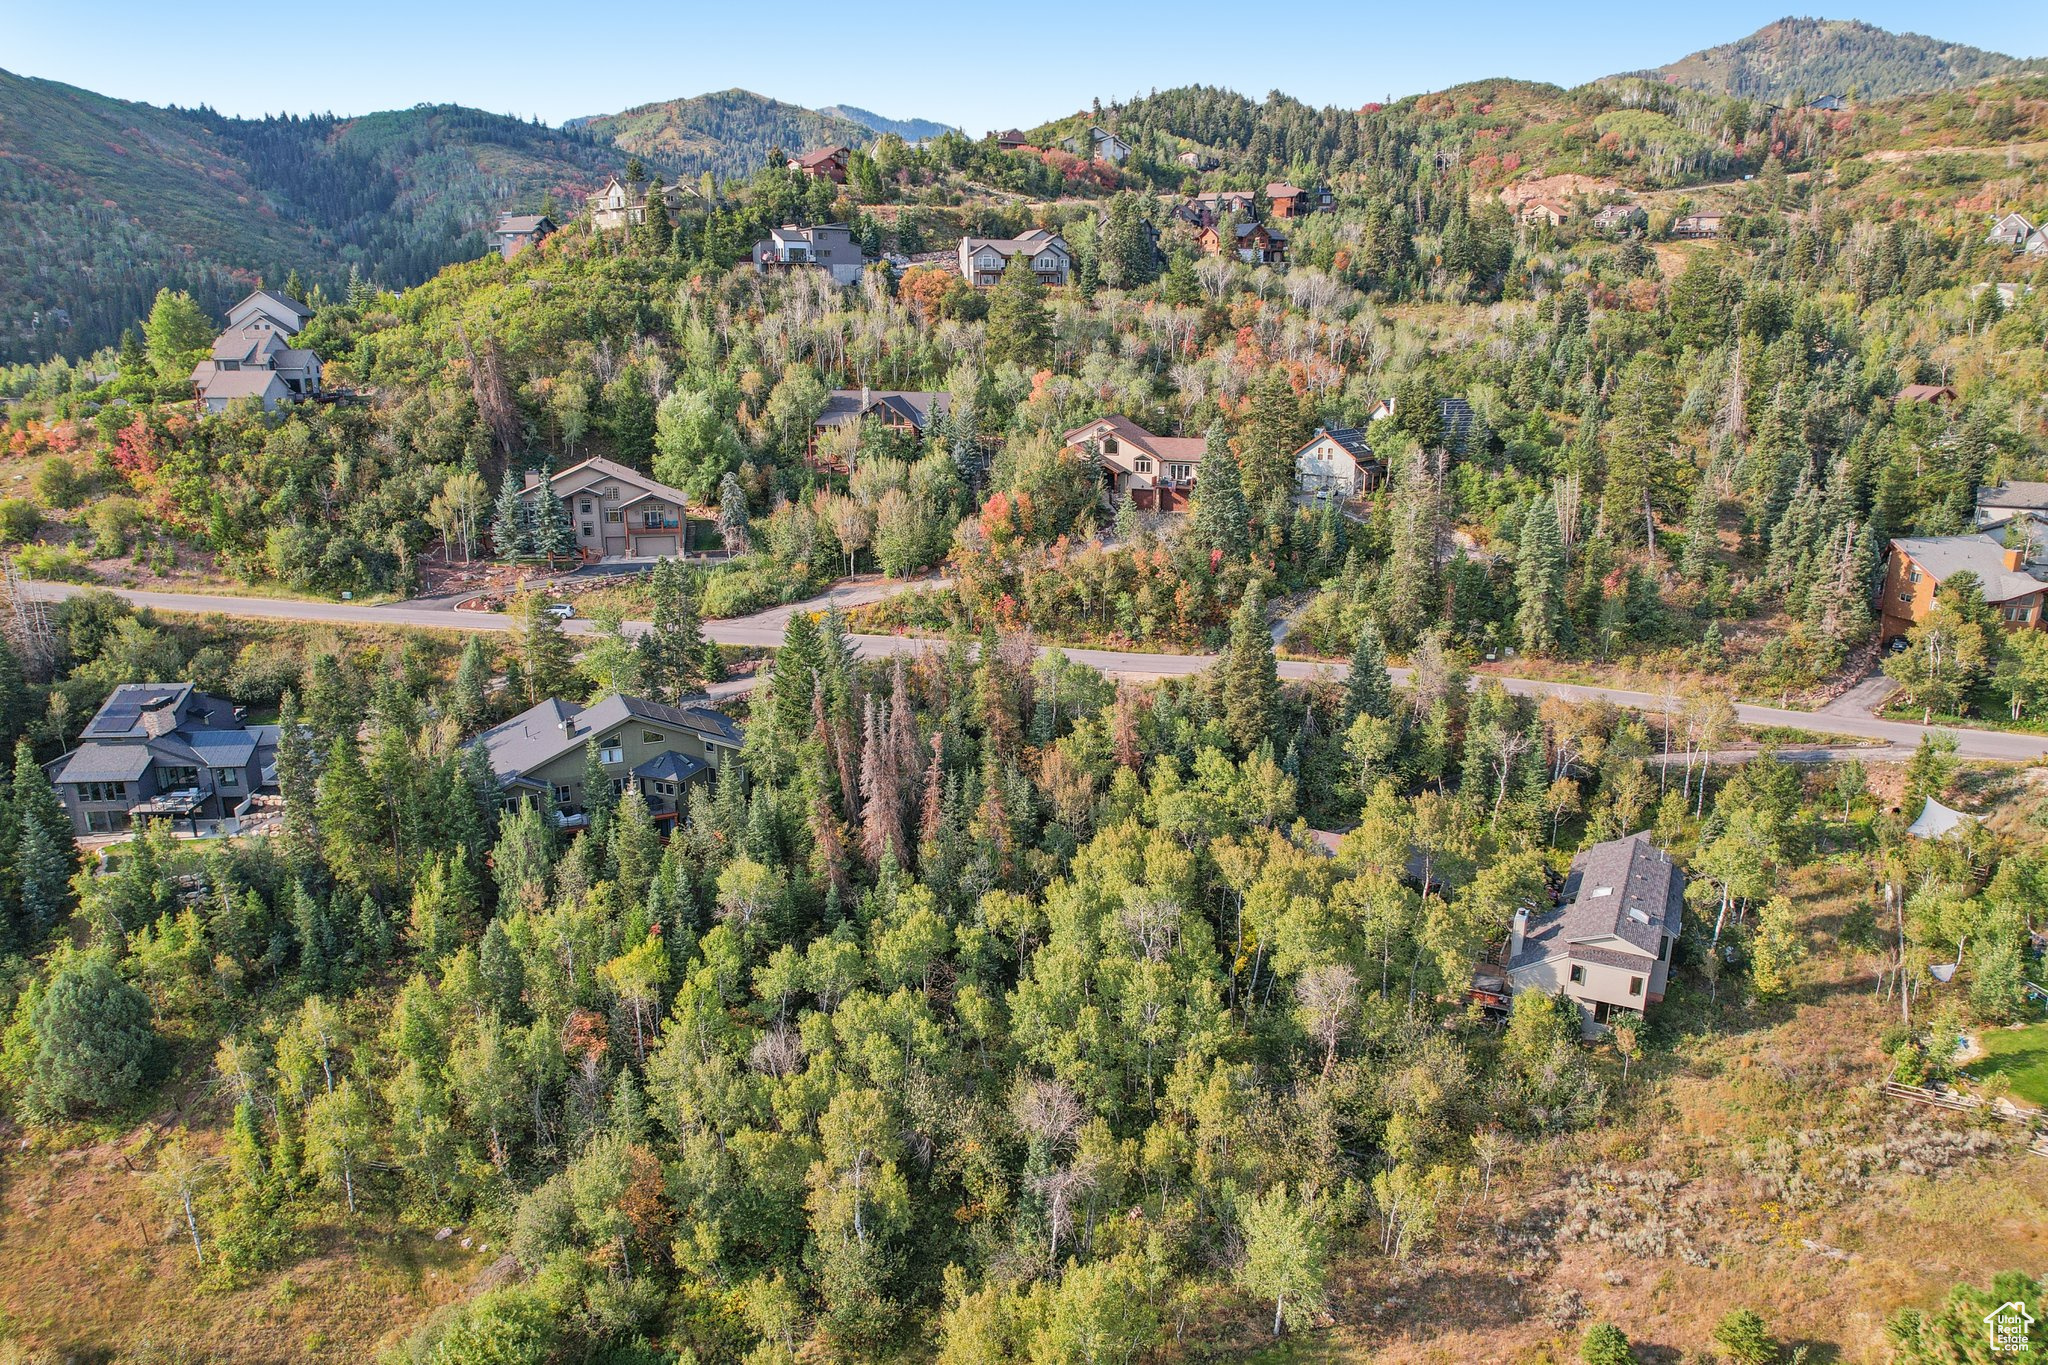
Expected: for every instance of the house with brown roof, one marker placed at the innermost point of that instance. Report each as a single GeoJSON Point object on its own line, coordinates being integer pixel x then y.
{"type": "Point", "coordinates": [517, 231]}
{"type": "Point", "coordinates": [1697, 225]}
{"type": "Point", "coordinates": [1551, 212]}
{"type": "Point", "coordinates": [827, 163]}
{"type": "Point", "coordinates": [616, 512]}
{"type": "Point", "coordinates": [903, 411]}
{"type": "Point", "coordinates": [1337, 462]}
{"type": "Point", "coordinates": [1157, 473]}
{"type": "Point", "coordinates": [983, 259]}
{"type": "Point", "coordinates": [1253, 243]}
{"type": "Point", "coordinates": [1292, 201]}
{"type": "Point", "coordinates": [1009, 140]}
{"type": "Point", "coordinates": [2012, 580]}
{"type": "Point", "coordinates": [1938, 394]}
{"type": "Point", "coordinates": [1607, 942]}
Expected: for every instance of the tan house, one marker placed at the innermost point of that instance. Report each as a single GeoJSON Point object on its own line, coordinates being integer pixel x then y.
{"type": "Point", "coordinates": [1157, 473]}
{"type": "Point", "coordinates": [544, 751]}
{"type": "Point", "coordinates": [616, 512]}
{"type": "Point", "coordinates": [1553, 212]}
{"type": "Point", "coordinates": [983, 259]}
{"type": "Point", "coordinates": [1337, 462]}
{"type": "Point", "coordinates": [1917, 566]}
{"type": "Point", "coordinates": [1696, 225]}
{"type": "Point", "coordinates": [615, 207]}
{"type": "Point", "coordinates": [1607, 942]}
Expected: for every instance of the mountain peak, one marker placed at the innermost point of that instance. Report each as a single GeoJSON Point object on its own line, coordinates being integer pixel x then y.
{"type": "Point", "coordinates": [1833, 57]}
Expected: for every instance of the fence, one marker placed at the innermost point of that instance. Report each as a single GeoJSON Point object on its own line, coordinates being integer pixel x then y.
{"type": "Point", "coordinates": [1957, 1102]}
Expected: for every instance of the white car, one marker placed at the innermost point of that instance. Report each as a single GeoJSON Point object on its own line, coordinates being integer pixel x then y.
{"type": "Point", "coordinates": [561, 611]}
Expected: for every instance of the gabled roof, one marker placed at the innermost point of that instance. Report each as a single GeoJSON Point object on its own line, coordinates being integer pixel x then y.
{"type": "Point", "coordinates": [232, 384]}
{"type": "Point", "coordinates": [1620, 895]}
{"type": "Point", "coordinates": [1350, 439]}
{"type": "Point", "coordinates": [523, 224]}
{"type": "Point", "coordinates": [272, 301]}
{"type": "Point", "coordinates": [2015, 494]}
{"type": "Point", "coordinates": [917, 408]}
{"type": "Point", "coordinates": [1179, 449]}
{"type": "Point", "coordinates": [543, 733]}
{"type": "Point", "coordinates": [1926, 393]}
{"type": "Point", "coordinates": [810, 160]}
{"type": "Point", "coordinates": [103, 763]}
{"type": "Point", "coordinates": [599, 466]}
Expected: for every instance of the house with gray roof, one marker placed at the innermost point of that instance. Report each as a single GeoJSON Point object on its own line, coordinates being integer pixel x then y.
{"type": "Point", "coordinates": [1607, 942]}
{"type": "Point", "coordinates": [543, 751]}
{"type": "Point", "coordinates": [254, 357]}
{"type": "Point", "coordinates": [1337, 462]}
{"type": "Point", "coordinates": [983, 259]}
{"type": "Point", "coordinates": [616, 512]}
{"type": "Point", "coordinates": [2012, 578]}
{"type": "Point", "coordinates": [517, 231]}
{"type": "Point", "coordinates": [163, 751]}
{"type": "Point", "coordinates": [905, 411]}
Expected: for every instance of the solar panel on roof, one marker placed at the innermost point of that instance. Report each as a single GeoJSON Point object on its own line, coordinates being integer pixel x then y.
{"type": "Point", "coordinates": [121, 717]}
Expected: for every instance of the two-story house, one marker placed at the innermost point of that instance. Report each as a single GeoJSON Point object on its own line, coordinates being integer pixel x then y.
{"type": "Point", "coordinates": [1337, 462]}
{"type": "Point", "coordinates": [1292, 201]}
{"type": "Point", "coordinates": [983, 259]}
{"type": "Point", "coordinates": [2012, 579]}
{"type": "Point", "coordinates": [1099, 144]}
{"type": "Point", "coordinates": [517, 231]}
{"type": "Point", "coordinates": [829, 247]}
{"type": "Point", "coordinates": [617, 512]}
{"type": "Point", "coordinates": [827, 163]}
{"type": "Point", "coordinates": [163, 751]}
{"type": "Point", "coordinates": [255, 358]}
{"type": "Point", "coordinates": [1607, 942]}
{"type": "Point", "coordinates": [615, 206]}
{"type": "Point", "coordinates": [1157, 473]}
{"type": "Point", "coordinates": [544, 751]}
{"type": "Point", "coordinates": [907, 412]}
{"type": "Point", "coordinates": [1252, 243]}
{"type": "Point", "coordinates": [2011, 229]}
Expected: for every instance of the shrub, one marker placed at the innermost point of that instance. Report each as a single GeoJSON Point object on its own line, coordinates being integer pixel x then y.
{"type": "Point", "coordinates": [58, 484]}
{"type": "Point", "coordinates": [19, 520]}
{"type": "Point", "coordinates": [1745, 1340]}
{"type": "Point", "coordinates": [114, 521]}
{"type": "Point", "coordinates": [1606, 1344]}
{"type": "Point", "coordinates": [89, 1041]}
{"type": "Point", "coordinates": [52, 563]}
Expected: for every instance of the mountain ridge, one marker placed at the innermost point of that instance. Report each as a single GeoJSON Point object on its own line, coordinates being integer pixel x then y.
{"type": "Point", "coordinates": [1820, 57]}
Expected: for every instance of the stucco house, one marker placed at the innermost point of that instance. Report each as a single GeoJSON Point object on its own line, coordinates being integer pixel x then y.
{"type": "Point", "coordinates": [616, 512]}
{"type": "Point", "coordinates": [163, 751]}
{"type": "Point", "coordinates": [1158, 473]}
{"type": "Point", "coordinates": [543, 751]}
{"type": "Point", "coordinates": [983, 259]}
{"type": "Point", "coordinates": [1337, 462]}
{"type": "Point", "coordinates": [1607, 942]}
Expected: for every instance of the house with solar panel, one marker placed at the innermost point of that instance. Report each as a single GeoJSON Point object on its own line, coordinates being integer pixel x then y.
{"type": "Point", "coordinates": [165, 751]}
{"type": "Point", "coordinates": [543, 752]}
{"type": "Point", "coordinates": [1607, 942]}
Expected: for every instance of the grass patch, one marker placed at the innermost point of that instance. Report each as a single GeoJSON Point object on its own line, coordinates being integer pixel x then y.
{"type": "Point", "coordinates": [2021, 1056]}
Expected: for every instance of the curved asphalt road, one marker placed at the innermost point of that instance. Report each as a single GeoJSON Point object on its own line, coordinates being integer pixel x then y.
{"type": "Point", "coordinates": [765, 629]}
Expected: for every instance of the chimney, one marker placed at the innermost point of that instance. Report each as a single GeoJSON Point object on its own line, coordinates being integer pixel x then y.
{"type": "Point", "coordinates": [1518, 933]}
{"type": "Point", "coordinates": [2014, 557]}
{"type": "Point", "coordinates": [568, 724]}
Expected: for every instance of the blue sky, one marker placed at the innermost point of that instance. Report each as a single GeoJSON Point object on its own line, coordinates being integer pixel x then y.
{"type": "Point", "coordinates": [961, 64]}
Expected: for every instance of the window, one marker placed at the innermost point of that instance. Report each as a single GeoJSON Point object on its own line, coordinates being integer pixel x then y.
{"type": "Point", "coordinates": [1664, 948]}
{"type": "Point", "coordinates": [588, 530]}
{"type": "Point", "coordinates": [178, 777]}
{"type": "Point", "coordinates": [1109, 445]}
{"type": "Point", "coordinates": [1635, 985]}
{"type": "Point", "coordinates": [105, 821]}
{"type": "Point", "coordinates": [103, 791]}
{"type": "Point", "coordinates": [227, 777]}
{"type": "Point", "coordinates": [1578, 975]}
{"type": "Point", "coordinates": [1144, 466]}
{"type": "Point", "coordinates": [586, 507]}
{"type": "Point", "coordinates": [2019, 615]}
{"type": "Point", "coordinates": [664, 789]}
{"type": "Point", "coordinates": [561, 794]}
{"type": "Point", "coordinates": [1180, 473]}
{"type": "Point", "coordinates": [650, 736]}
{"type": "Point", "coordinates": [614, 515]}
{"type": "Point", "coordinates": [611, 493]}
{"type": "Point", "coordinates": [611, 753]}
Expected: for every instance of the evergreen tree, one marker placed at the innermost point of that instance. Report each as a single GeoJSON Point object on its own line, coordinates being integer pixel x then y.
{"type": "Point", "coordinates": [733, 518]}
{"type": "Point", "coordinates": [546, 660]}
{"type": "Point", "coordinates": [656, 231]}
{"type": "Point", "coordinates": [1219, 521]}
{"type": "Point", "coordinates": [1018, 329]}
{"type": "Point", "coordinates": [511, 526]}
{"type": "Point", "coordinates": [297, 778]}
{"type": "Point", "coordinates": [468, 700]}
{"type": "Point", "coordinates": [1251, 679]}
{"type": "Point", "coordinates": [1539, 578]}
{"type": "Point", "coordinates": [1368, 689]}
{"type": "Point", "coordinates": [552, 534]}
{"type": "Point", "coordinates": [672, 650]}
{"type": "Point", "coordinates": [45, 874]}
{"type": "Point", "coordinates": [1267, 438]}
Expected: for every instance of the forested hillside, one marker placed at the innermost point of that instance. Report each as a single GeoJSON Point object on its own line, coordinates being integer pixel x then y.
{"type": "Point", "coordinates": [108, 201]}
{"type": "Point", "coordinates": [729, 133]}
{"type": "Point", "coordinates": [1840, 57]}
{"type": "Point", "coordinates": [909, 129]}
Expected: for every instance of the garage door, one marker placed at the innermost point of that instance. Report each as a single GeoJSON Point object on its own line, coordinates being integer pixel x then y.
{"type": "Point", "coordinates": [646, 547]}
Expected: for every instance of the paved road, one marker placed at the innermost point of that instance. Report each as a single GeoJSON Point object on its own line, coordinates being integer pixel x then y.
{"type": "Point", "coordinates": [766, 629]}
